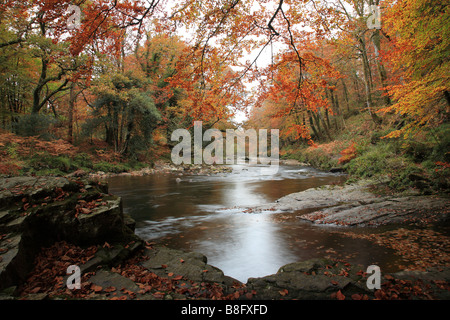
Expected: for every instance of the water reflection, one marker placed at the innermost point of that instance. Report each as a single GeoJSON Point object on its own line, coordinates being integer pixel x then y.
{"type": "Point", "coordinates": [251, 246]}
{"type": "Point", "coordinates": [200, 214]}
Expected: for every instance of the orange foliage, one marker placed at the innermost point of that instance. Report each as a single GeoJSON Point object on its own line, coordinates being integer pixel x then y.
{"type": "Point", "coordinates": [348, 154]}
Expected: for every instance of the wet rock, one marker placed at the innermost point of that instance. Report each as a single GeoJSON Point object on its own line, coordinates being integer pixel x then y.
{"type": "Point", "coordinates": [106, 279]}
{"type": "Point", "coordinates": [306, 280]}
{"type": "Point", "coordinates": [37, 211]}
{"type": "Point", "coordinates": [191, 265]}
{"type": "Point", "coordinates": [355, 205]}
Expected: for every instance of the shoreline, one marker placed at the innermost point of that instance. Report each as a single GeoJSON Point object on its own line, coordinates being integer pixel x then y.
{"type": "Point", "coordinates": [355, 205]}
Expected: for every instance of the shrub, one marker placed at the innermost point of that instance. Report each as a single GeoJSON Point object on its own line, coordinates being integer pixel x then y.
{"type": "Point", "coordinates": [111, 167]}
{"type": "Point", "coordinates": [43, 161]}
{"type": "Point", "coordinates": [35, 125]}
{"type": "Point", "coordinates": [83, 160]}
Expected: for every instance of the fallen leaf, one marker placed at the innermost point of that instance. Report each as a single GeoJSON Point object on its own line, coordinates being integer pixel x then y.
{"type": "Point", "coordinates": [35, 290]}
{"type": "Point", "coordinates": [96, 288]}
{"type": "Point", "coordinates": [283, 292]}
{"type": "Point", "coordinates": [339, 295]}
{"type": "Point", "coordinates": [85, 210]}
{"type": "Point", "coordinates": [356, 296]}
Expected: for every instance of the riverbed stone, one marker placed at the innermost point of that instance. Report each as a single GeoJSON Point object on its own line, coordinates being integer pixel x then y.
{"type": "Point", "coordinates": [191, 265]}
{"type": "Point", "coordinates": [300, 280]}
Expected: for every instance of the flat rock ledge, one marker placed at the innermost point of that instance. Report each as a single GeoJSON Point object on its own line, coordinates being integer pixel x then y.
{"type": "Point", "coordinates": [354, 205]}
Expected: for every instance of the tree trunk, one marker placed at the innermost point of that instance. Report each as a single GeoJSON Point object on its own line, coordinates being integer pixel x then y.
{"type": "Point", "coordinates": [381, 70]}
{"type": "Point", "coordinates": [72, 99]}
{"type": "Point", "coordinates": [368, 82]}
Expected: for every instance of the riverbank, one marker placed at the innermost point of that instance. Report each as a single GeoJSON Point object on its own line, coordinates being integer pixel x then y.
{"type": "Point", "coordinates": [166, 167]}
{"type": "Point", "coordinates": [356, 204]}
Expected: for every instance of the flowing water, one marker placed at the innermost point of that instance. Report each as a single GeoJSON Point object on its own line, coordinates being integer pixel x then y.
{"type": "Point", "coordinates": [204, 213]}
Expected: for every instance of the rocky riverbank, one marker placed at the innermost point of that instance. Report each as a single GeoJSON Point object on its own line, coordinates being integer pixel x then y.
{"type": "Point", "coordinates": [50, 223]}
{"type": "Point", "coordinates": [161, 167]}
{"type": "Point", "coordinates": [355, 205]}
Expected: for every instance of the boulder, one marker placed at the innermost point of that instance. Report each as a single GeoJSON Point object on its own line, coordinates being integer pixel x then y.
{"type": "Point", "coordinates": [191, 265]}
{"type": "Point", "coordinates": [38, 211]}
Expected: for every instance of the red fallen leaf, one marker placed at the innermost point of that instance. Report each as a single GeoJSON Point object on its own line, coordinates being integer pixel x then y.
{"type": "Point", "coordinates": [334, 282]}
{"type": "Point", "coordinates": [339, 295]}
{"type": "Point", "coordinates": [119, 298]}
{"type": "Point", "coordinates": [158, 295]}
{"type": "Point", "coordinates": [128, 292]}
{"type": "Point", "coordinates": [177, 278]}
{"type": "Point", "coordinates": [85, 210]}
{"type": "Point", "coordinates": [164, 266]}
{"type": "Point", "coordinates": [389, 277]}
{"type": "Point", "coordinates": [170, 274]}
{"type": "Point", "coordinates": [356, 296]}
{"type": "Point", "coordinates": [205, 270]}
{"type": "Point", "coordinates": [379, 294]}
{"type": "Point", "coordinates": [283, 292]}
{"type": "Point", "coordinates": [35, 290]}
{"type": "Point", "coordinates": [236, 295]}
{"type": "Point", "coordinates": [110, 289]}
{"type": "Point", "coordinates": [248, 295]}
{"type": "Point", "coordinates": [96, 288]}
{"type": "Point", "coordinates": [106, 245]}
{"type": "Point", "coordinates": [181, 260]}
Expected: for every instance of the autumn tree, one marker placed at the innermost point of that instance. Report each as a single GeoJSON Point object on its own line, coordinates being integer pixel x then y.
{"type": "Point", "coordinates": [125, 113]}
{"type": "Point", "coordinates": [42, 29]}
{"type": "Point", "coordinates": [419, 34]}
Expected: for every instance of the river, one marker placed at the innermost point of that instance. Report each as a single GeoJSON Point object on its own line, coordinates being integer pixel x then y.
{"type": "Point", "coordinates": [204, 213]}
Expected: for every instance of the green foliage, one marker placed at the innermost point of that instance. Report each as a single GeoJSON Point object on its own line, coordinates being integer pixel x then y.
{"type": "Point", "coordinates": [318, 159]}
{"type": "Point", "coordinates": [35, 125]}
{"type": "Point", "coordinates": [44, 161]}
{"type": "Point", "coordinates": [82, 160]}
{"type": "Point", "coordinates": [111, 167]}
{"type": "Point", "coordinates": [126, 114]}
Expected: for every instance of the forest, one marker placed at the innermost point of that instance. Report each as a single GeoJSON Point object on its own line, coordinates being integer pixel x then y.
{"type": "Point", "coordinates": [362, 85]}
